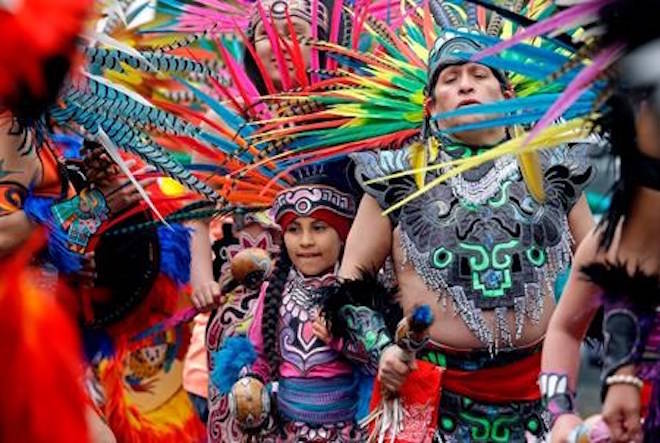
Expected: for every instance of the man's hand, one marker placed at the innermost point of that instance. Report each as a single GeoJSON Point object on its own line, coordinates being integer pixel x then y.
{"type": "Point", "coordinates": [563, 427]}
{"type": "Point", "coordinates": [120, 194]}
{"type": "Point", "coordinates": [206, 296]}
{"type": "Point", "coordinates": [621, 412]}
{"type": "Point", "coordinates": [394, 368]}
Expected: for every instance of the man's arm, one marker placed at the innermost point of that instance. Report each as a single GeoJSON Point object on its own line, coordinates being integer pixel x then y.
{"type": "Point", "coordinates": [369, 241]}
{"type": "Point", "coordinates": [580, 220]}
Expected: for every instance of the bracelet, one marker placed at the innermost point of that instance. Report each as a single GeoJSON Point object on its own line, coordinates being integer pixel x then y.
{"type": "Point", "coordinates": [625, 380]}
{"type": "Point", "coordinates": [556, 395]}
{"type": "Point", "coordinates": [558, 405]}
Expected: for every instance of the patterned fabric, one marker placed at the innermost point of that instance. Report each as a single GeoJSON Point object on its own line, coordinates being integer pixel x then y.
{"type": "Point", "coordinates": [299, 347]}
{"type": "Point", "coordinates": [306, 357]}
{"type": "Point", "coordinates": [464, 420]}
{"type": "Point", "coordinates": [233, 318]}
{"type": "Point", "coordinates": [367, 336]}
{"type": "Point", "coordinates": [294, 8]}
{"type": "Point", "coordinates": [348, 432]}
{"type": "Point", "coordinates": [480, 239]}
{"type": "Point", "coordinates": [318, 401]}
{"type": "Point", "coordinates": [319, 201]}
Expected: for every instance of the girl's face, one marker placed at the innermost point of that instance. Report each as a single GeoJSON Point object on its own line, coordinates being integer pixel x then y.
{"type": "Point", "coordinates": [265, 51]}
{"type": "Point", "coordinates": [313, 245]}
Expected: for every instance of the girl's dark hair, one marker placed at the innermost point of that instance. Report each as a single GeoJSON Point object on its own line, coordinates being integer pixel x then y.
{"type": "Point", "coordinates": [271, 313]}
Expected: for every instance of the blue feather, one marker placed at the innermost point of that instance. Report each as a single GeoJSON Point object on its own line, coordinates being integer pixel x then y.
{"type": "Point", "coordinates": [37, 209]}
{"type": "Point", "coordinates": [97, 344]}
{"type": "Point", "coordinates": [536, 72]}
{"type": "Point", "coordinates": [226, 146]}
{"type": "Point", "coordinates": [233, 120]}
{"type": "Point", "coordinates": [235, 354]}
{"type": "Point", "coordinates": [70, 143]}
{"type": "Point", "coordinates": [175, 252]}
{"type": "Point", "coordinates": [538, 102]}
{"type": "Point", "coordinates": [527, 118]}
{"type": "Point", "coordinates": [529, 52]}
{"type": "Point", "coordinates": [206, 167]}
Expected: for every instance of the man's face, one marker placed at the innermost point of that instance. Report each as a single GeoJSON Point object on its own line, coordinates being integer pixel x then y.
{"type": "Point", "coordinates": [266, 52]}
{"type": "Point", "coordinates": [463, 85]}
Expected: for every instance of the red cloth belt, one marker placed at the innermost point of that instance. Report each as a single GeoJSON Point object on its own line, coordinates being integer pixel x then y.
{"type": "Point", "coordinates": [513, 382]}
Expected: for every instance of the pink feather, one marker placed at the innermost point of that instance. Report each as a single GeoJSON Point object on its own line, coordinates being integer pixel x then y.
{"type": "Point", "coordinates": [245, 87]}
{"type": "Point", "coordinates": [262, 69]}
{"type": "Point", "coordinates": [334, 30]}
{"type": "Point", "coordinates": [275, 46]}
{"type": "Point", "coordinates": [576, 88]}
{"type": "Point", "coordinates": [315, 36]}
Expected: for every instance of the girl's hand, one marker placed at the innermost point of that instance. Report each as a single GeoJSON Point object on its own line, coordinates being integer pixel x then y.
{"type": "Point", "coordinates": [320, 330]}
{"type": "Point", "coordinates": [621, 412]}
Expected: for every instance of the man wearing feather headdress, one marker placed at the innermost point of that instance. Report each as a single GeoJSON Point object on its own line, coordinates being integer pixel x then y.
{"type": "Point", "coordinates": [481, 248]}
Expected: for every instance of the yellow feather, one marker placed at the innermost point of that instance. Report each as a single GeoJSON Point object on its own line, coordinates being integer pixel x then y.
{"type": "Point", "coordinates": [130, 76]}
{"type": "Point", "coordinates": [419, 162]}
{"type": "Point", "coordinates": [552, 136]}
{"type": "Point", "coordinates": [530, 166]}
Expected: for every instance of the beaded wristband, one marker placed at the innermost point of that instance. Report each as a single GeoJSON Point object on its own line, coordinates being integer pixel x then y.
{"type": "Point", "coordinates": [625, 380]}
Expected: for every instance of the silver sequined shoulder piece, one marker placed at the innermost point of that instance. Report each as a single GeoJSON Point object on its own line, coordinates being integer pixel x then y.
{"type": "Point", "coordinates": [377, 164]}
{"type": "Point", "coordinates": [374, 164]}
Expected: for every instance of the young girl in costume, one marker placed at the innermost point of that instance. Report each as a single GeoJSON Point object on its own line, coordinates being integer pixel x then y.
{"type": "Point", "coordinates": [316, 398]}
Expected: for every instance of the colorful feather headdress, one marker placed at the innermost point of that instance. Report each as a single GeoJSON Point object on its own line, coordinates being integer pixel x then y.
{"type": "Point", "coordinates": [237, 170]}
{"type": "Point", "coordinates": [380, 99]}
{"type": "Point", "coordinates": [617, 63]}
